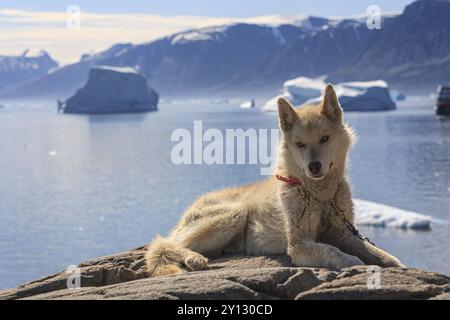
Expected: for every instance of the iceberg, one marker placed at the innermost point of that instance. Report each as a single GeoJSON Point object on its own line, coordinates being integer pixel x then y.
{"type": "Point", "coordinates": [247, 104]}
{"type": "Point", "coordinates": [369, 213]}
{"type": "Point", "coordinates": [303, 88]}
{"type": "Point", "coordinates": [353, 96]}
{"type": "Point", "coordinates": [365, 96]}
{"type": "Point", "coordinates": [113, 90]}
{"type": "Point", "coordinates": [272, 106]}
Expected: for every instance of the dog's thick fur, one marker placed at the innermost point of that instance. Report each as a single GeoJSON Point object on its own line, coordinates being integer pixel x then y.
{"type": "Point", "coordinates": [273, 217]}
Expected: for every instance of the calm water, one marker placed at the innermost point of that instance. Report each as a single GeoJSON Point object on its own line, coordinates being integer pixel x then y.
{"type": "Point", "coordinates": [77, 187]}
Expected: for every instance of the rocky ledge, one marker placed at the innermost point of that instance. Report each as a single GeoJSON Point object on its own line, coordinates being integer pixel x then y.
{"type": "Point", "coordinates": [122, 276]}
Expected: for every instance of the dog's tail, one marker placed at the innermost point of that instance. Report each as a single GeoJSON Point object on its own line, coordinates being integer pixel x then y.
{"type": "Point", "coordinates": [163, 257]}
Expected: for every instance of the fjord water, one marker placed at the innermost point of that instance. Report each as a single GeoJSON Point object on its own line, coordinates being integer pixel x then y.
{"type": "Point", "coordinates": [77, 187]}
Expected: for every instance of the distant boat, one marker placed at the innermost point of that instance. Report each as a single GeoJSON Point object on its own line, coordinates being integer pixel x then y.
{"type": "Point", "coordinates": [248, 104]}
{"type": "Point", "coordinates": [443, 101]}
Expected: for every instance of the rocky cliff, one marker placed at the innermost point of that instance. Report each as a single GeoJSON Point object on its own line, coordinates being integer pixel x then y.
{"type": "Point", "coordinates": [122, 276]}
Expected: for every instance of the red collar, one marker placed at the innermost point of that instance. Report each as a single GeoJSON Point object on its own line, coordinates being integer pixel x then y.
{"type": "Point", "coordinates": [292, 181]}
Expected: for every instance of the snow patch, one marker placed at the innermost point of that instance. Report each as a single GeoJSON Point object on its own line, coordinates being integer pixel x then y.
{"type": "Point", "coordinates": [278, 35]}
{"type": "Point", "coordinates": [275, 20]}
{"type": "Point", "coordinates": [115, 69]}
{"type": "Point", "coordinates": [205, 34]}
{"type": "Point", "coordinates": [31, 53]}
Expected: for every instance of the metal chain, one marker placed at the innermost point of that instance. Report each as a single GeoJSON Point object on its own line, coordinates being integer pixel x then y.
{"type": "Point", "coordinates": [340, 214]}
{"type": "Point", "coordinates": [292, 181]}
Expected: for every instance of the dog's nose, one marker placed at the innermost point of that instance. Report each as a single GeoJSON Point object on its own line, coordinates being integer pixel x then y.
{"type": "Point", "coordinates": [315, 167]}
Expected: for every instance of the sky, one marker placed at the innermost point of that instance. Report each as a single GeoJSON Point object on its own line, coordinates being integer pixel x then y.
{"type": "Point", "coordinates": [36, 25]}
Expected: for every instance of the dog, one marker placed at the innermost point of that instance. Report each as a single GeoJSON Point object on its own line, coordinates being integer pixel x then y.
{"type": "Point", "coordinates": [304, 211]}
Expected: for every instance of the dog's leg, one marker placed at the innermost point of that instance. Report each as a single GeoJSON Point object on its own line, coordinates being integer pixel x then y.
{"type": "Point", "coordinates": [303, 224]}
{"type": "Point", "coordinates": [351, 244]}
{"type": "Point", "coordinates": [188, 244]}
{"type": "Point", "coordinates": [308, 253]}
{"type": "Point", "coordinates": [338, 235]}
{"type": "Point", "coordinates": [210, 235]}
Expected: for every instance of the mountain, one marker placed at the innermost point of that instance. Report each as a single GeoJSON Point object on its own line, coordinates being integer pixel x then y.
{"type": "Point", "coordinates": [16, 70]}
{"type": "Point", "coordinates": [210, 58]}
{"type": "Point", "coordinates": [411, 52]}
{"type": "Point", "coordinates": [64, 81]}
{"type": "Point", "coordinates": [215, 59]}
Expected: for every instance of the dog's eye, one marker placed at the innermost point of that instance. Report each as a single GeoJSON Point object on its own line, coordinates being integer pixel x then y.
{"type": "Point", "coordinates": [324, 139]}
{"type": "Point", "coordinates": [300, 145]}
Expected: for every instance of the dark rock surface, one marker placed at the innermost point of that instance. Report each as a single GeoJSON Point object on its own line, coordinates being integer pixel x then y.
{"type": "Point", "coordinates": [122, 276]}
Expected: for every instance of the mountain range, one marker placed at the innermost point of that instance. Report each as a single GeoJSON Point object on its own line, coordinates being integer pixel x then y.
{"type": "Point", "coordinates": [411, 52]}
{"type": "Point", "coordinates": [17, 70]}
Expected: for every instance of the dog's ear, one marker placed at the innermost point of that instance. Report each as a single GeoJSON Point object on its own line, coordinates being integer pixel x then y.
{"type": "Point", "coordinates": [330, 104]}
{"type": "Point", "coordinates": [286, 114]}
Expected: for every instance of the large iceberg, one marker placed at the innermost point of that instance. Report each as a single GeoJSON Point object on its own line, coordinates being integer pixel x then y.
{"type": "Point", "coordinates": [353, 96]}
{"type": "Point", "coordinates": [113, 90]}
{"type": "Point", "coordinates": [380, 215]}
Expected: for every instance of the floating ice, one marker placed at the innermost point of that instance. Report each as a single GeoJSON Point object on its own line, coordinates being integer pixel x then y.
{"type": "Point", "coordinates": [353, 96]}
{"type": "Point", "coordinates": [379, 215]}
{"type": "Point", "coordinates": [248, 104]}
{"type": "Point", "coordinates": [113, 90]}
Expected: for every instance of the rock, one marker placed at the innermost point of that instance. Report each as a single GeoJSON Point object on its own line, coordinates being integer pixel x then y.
{"type": "Point", "coordinates": [113, 90]}
{"type": "Point", "coordinates": [122, 276]}
{"type": "Point", "coordinates": [353, 96]}
{"type": "Point", "coordinates": [396, 283]}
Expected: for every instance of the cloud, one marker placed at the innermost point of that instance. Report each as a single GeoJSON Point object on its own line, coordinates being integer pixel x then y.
{"type": "Point", "coordinates": [48, 30]}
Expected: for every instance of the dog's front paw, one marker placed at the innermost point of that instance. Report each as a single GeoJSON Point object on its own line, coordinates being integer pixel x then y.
{"type": "Point", "coordinates": [340, 260]}
{"type": "Point", "coordinates": [195, 262]}
{"type": "Point", "coordinates": [390, 261]}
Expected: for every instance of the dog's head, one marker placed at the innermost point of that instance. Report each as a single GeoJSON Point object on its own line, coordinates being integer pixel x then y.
{"type": "Point", "coordinates": [315, 138]}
